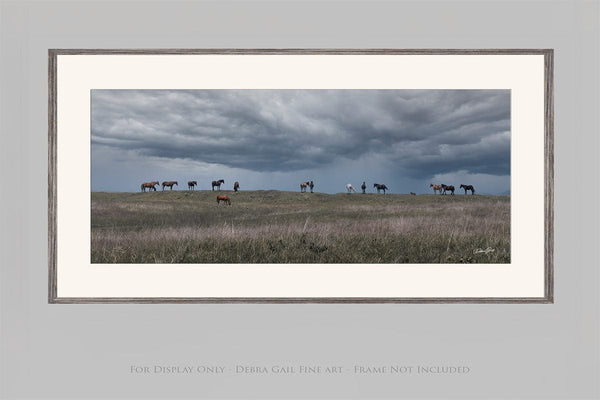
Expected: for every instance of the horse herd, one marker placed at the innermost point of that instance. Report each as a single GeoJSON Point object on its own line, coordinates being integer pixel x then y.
{"type": "Point", "coordinates": [191, 185]}
{"type": "Point", "coordinates": [441, 189]}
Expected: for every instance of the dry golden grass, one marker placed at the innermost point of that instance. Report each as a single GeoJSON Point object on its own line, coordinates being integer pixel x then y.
{"type": "Point", "coordinates": [287, 227]}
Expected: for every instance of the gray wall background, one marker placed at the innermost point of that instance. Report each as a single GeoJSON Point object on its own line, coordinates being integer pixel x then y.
{"type": "Point", "coordinates": [85, 351]}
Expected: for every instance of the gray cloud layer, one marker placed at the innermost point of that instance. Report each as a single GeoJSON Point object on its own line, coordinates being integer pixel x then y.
{"type": "Point", "coordinates": [417, 133]}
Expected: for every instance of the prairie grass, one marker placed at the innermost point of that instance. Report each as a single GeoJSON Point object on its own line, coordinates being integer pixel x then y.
{"type": "Point", "coordinates": [289, 227]}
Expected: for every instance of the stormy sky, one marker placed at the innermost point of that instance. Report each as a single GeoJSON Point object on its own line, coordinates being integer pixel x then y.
{"type": "Point", "coordinates": [275, 139]}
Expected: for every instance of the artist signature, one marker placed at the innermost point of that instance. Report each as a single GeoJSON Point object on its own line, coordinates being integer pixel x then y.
{"type": "Point", "coordinates": [486, 251]}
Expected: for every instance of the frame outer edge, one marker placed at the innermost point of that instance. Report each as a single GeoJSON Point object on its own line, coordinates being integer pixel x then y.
{"type": "Point", "coordinates": [52, 192]}
{"type": "Point", "coordinates": [548, 172]}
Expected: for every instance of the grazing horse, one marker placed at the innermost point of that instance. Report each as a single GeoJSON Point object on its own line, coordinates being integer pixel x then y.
{"type": "Point", "coordinates": [350, 188]}
{"type": "Point", "coordinates": [449, 188]}
{"type": "Point", "coordinates": [380, 187]}
{"type": "Point", "coordinates": [192, 184]}
{"type": "Point", "coordinates": [436, 188]}
{"type": "Point", "coordinates": [236, 186]}
{"type": "Point", "coordinates": [413, 194]}
{"type": "Point", "coordinates": [363, 187]}
{"type": "Point", "coordinates": [468, 187]}
{"type": "Point", "coordinates": [311, 185]}
{"type": "Point", "coordinates": [224, 198]}
{"type": "Point", "coordinates": [149, 185]}
{"type": "Point", "coordinates": [217, 184]}
{"type": "Point", "coordinates": [169, 184]}
{"type": "Point", "coordinates": [303, 186]}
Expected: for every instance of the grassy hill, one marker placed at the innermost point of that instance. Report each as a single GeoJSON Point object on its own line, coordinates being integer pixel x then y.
{"type": "Point", "coordinates": [290, 227]}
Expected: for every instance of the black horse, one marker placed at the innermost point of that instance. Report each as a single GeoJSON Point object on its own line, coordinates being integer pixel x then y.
{"type": "Point", "coordinates": [311, 185]}
{"type": "Point", "coordinates": [191, 185]}
{"type": "Point", "coordinates": [468, 187]}
{"type": "Point", "coordinates": [380, 187]}
{"type": "Point", "coordinates": [449, 188]}
{"type": "Point", "coordinates": [217, 184]}
{"type": "Point", "coordinates": [363, 187]}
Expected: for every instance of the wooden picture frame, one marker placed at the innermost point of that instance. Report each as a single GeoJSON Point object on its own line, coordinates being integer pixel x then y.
{"type": "Point", "coordinates": [543, 279]}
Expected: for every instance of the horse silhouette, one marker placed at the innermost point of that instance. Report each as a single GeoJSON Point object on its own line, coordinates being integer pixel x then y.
{"type": "Point", "coordinates": [380, 187]}
{"type": "Point", "coordinates": [217, 184]}
{"type": "Point", "coordinates": [236, 186]}
{"type": "Point", "coordinates": [192, 184]}
{"type": "Point", "coordinates": [449, 188]}
{"type": "Point", "coordinates": [468, 187]}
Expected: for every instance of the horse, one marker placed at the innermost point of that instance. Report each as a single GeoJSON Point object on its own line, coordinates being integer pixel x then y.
{"type": "Point", "coordinates": [149, 185]}
{"type": "Point", "coordinates": [380, 187]}
{"type": "Point", "coordinates": [311, 185]}
{"type": "Point", "coordinates": [169, 184]}
{"type": "Point", "coordinates": [224, 198]}
{"type": "Point", "coordinates": [363, 187]}
{"type": "Point", "coordinates": [436, 188]}
{"type": "Point", "coordinates": [217, 184]}
{"type": "Point", "coordinates": [350, 188]}
{"type": "Point", "coordinates": [468, 187]}
{"type": "Point", "coordinates": [449, 188]}
{"type": "Point", "coordinates": [413, 194]}
{"type": "Point", "coordinates": [303, 186]}
{"type": "Point", "coordinates": [191, 185]}
{"type": "Point", "coordinates": [236, 186]}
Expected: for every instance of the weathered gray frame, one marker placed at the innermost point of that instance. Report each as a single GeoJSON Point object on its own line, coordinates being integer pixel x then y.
{"type": "Point", "coordinates": [548, 178]}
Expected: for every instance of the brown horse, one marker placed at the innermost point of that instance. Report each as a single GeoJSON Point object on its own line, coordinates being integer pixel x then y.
{"type": "Point", "coordinates": [224, 198]}
{"type": "Point", "coordinates": [437, 188]}
{"type": "Point", "coordinates": [169, 184]}
{"type": "Point", "coordinates": [448, 188]}
{"type": "Point", "coordinates": [191, 185]}
{"type": "Point", "coordinates": [149, 185]}
{"type": "Point", "coordinates": [303, 186]}
{"type": "Point", "coordinates": [236, 186]}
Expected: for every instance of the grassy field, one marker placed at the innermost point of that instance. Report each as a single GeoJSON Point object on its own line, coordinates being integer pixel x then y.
{"type": "Point", "coordinates": [293, 227]}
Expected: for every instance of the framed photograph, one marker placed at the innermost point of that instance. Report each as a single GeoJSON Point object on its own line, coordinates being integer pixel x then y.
{"type": "Point", "coordinates": [301, 176]}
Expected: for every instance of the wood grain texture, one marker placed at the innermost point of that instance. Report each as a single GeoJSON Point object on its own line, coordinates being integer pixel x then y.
{"type": "Point", "coordinates": [548, 172]}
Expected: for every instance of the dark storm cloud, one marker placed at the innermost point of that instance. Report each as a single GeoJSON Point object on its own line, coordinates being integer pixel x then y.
{"type": "Point", "coordinates": [419, 133]}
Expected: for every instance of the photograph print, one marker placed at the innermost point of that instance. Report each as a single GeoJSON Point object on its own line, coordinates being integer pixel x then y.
{"type": "Point", "coordinates": [301, 176]}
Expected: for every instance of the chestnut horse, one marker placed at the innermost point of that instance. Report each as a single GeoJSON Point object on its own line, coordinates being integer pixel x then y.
{"type": "Point", "coordinates": [169, 184]}
{"type": "Point", "coordinates": [192, 184]}
{"type": "Point", "coordinates": [468, 187]}
{"type": "Point", "coordinates": [224, 198]}
{"type": "Point", "coordinates": [149, 185]}
{"type": "Point", "coordinates": [217, 184]}
{"type": "Point", "coordinates": [436, 188]}
{"type": "Point", "coordinates": [236, 186]}
{"type": "Point", "coordinates": [303, 186]}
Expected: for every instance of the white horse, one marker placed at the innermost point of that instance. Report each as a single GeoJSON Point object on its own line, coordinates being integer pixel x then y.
{"type": "Point", "coordinates": [350, 188]}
